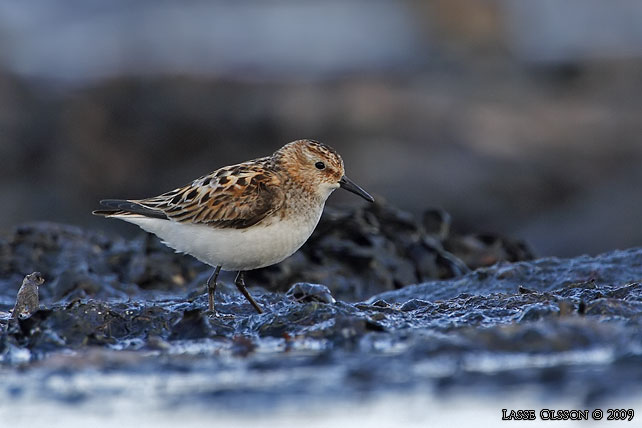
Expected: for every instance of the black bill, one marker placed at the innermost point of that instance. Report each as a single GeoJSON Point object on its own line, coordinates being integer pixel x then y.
{"type": "Point", "coordinates": [350, 186]}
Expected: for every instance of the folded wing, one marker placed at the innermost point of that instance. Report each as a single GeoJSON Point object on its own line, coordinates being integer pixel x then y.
{"type": "Point", "coordinates": [233, 197]}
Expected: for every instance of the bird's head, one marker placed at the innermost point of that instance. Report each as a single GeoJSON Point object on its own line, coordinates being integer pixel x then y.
{"type": "Point", "coordinates": [316, 167]}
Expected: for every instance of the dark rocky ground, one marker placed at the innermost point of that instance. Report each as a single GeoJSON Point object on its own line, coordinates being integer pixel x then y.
{"type": "Point", "coordinates": [124, 321]}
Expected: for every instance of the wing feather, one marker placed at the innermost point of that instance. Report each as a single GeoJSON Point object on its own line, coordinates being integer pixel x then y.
{"type": "Point", "coordinates": [236, 197]}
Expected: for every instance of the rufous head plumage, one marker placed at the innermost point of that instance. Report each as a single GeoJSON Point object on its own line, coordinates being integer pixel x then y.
{"type": "Point", "coordinates": [311, 164]}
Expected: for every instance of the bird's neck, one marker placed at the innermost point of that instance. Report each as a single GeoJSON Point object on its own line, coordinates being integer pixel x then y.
{"type": "Point", "coordinates": [302, 199]}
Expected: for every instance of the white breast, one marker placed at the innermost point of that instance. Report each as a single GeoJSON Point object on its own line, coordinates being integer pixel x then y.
{"type": "Point", "coordinates": [234, 249]}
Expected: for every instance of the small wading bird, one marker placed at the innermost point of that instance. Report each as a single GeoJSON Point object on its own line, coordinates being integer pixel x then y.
{"type": "Point", "coordinates": [246, 216]}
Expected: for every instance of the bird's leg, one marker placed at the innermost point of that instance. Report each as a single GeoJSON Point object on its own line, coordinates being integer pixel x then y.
{"type": "Point", "coordinates": [211, 286]}
{"type": "Point", "coordinates": [240, 284]}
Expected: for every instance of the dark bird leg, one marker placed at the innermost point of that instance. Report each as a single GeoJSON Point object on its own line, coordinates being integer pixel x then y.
{"type": "Point", "coordinates": [240, 284]}
{"type": "Point", "coordinates": [211, 286]}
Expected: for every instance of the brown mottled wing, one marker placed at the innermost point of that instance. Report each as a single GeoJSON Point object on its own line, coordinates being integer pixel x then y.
{"type": "Point", "coordinates": [236, 197]}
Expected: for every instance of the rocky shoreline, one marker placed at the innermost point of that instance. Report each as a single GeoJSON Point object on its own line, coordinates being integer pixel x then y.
{"type": "Point", "coordinates": [112, 309]}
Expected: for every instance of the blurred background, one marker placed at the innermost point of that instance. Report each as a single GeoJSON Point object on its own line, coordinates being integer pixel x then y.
{"type": "Point", "coordinates": [520, 118]}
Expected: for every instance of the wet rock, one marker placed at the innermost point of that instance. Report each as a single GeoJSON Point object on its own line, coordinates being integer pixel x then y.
{"type": "Point", "coordinates": [609, 307]}
{"type": "Point", "coordinates": [27, 301]}
{"type": "Point", "coordinates": [192, 325]}
{"type": "Point", "coordinates": [79, 264]}
{"type": "Point", "coordinates": [542, 323]}
{"type": "Point", "coordinates": [571, 275]}
{"type": "Point", "coordinates": [414, 304]}
{"type": "Point", "coordinates": [303, 292]}
{"type": "Point", "coordinates": [525, 290]}
{"type": "Point", "coordinates": [242, 346]}
{"type": "Point", "coordinates": [538, 311]}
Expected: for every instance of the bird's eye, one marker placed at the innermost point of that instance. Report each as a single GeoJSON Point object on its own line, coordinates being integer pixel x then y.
{"type": "Point", "coordinates": [320, 165]}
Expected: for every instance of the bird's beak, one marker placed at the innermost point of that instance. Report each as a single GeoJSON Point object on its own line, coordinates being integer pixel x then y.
{"type": "Point", "coordinates": [350, 186]}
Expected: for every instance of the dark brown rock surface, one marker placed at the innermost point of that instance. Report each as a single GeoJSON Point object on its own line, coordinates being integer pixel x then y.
{"type": "Point", "coordinates": [115, 310]}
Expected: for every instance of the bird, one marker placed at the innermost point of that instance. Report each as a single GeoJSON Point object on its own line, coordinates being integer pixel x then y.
{"type": "Point", "coordinates": [27, 301]}
{"type": "Point", "coordinates": [245, 216]}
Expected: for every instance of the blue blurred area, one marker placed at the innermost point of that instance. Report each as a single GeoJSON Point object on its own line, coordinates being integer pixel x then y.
{"type": "Point", "coordinates": [78, 41]}
{"type": "Point", "coordinates": [518, 117]}
{"type": "Point", "coordinates": [571, 30]}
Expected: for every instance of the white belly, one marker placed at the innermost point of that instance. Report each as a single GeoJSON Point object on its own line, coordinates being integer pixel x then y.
{"type": "Point", "coordinates": [232, 249]}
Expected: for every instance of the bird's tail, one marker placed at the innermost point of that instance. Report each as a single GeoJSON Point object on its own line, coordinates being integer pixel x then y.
{"type": "Point", "coordinates": [122, 207]}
